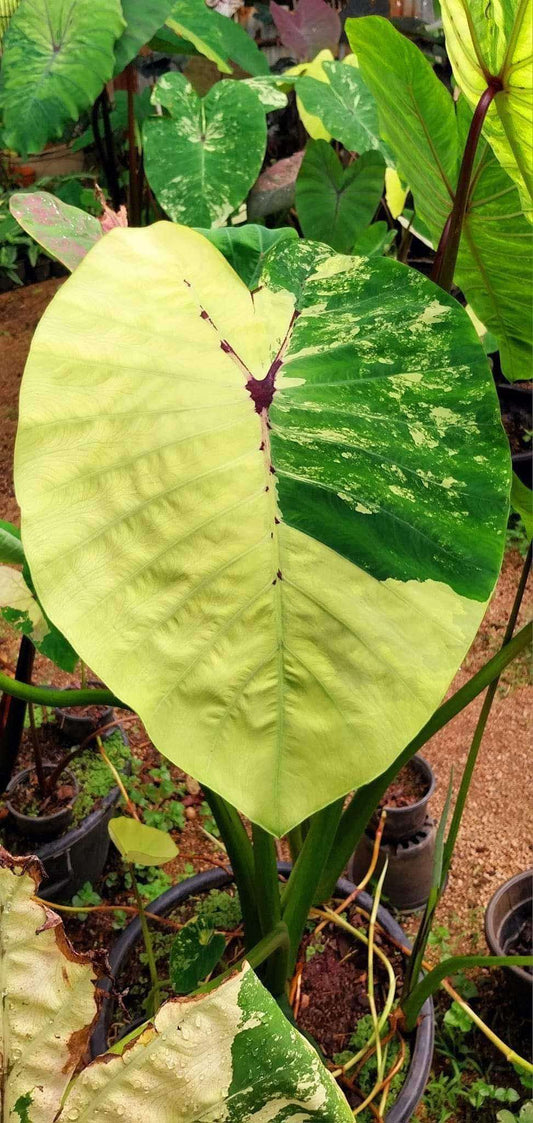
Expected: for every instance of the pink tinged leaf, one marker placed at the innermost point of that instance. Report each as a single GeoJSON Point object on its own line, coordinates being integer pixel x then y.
{"type": "Point", "coordinates": [110, 218]}
{"type": "Point", "coordinates": [313, 26]}
{"type": "Point", "coordinates": [66, 233]}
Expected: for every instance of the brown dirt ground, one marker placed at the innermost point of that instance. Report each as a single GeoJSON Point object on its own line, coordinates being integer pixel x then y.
{"type": "Point", "coordinates": [496, 837]}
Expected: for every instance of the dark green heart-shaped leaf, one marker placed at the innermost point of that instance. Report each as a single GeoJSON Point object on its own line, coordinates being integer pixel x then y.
{"type": "Point", "coordinates": [282, 585]}
{"type": "Point", "coordinates": [202, 159]}
{"type": "Point", "coordinates": [195, 951]}
{"type": "Point", "coordinates": [334, 203]}
{"type": "Point", "coordinates": [57, 56]}
{"type": "Point", "coordinates": [245, 247]}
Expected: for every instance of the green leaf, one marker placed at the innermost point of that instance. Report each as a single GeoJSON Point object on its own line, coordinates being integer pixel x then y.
{"type": "Point", "coordinates": [57, 56]}
{"type": "Point", "coordinates": [20, 608]}
{"type": "Point", "coordinates": [65, 232]}
{"type": "Point", "coordinates": [418, 122]}
{"type": "Point", "coordinates": [11, 548]}
{"type": "Point", "coordinates": [217, 37]}
{"type": "Point", "coordinates": [495, 40]}
{"type": "Point", "coordinates": [195, 951]}
{"type": "Point", "coordinates": [245, 247]}
{"type": "Point", "coordinates": [376, 239]}
{"type": "Point", "coordinates": [7, 7]}
{"type": "Point", "coordinates": [142, 845]}
{"type": "Point", "coordinates": [202, 159]}
{"type": "Point", "coordinates": [334, 203]}
{"type": "Point", "coordinates": [522, 503]}
{"type": "Point", "coordinates": [155, 527]}
{"type": "Point", "coordinates": [143, 18]}
{"type": "Point", "coordinates": [344, 105]}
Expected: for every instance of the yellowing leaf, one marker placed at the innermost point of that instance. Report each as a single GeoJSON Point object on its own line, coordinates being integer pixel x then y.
{"type": "Point", "coordinates": [145, 846]}
{"type": "Point", "coordinates": [495, 40]}
{"type": "Point", "coordinates": [315, 69]}
{"type": "Point", "coordinates": [395, 192]}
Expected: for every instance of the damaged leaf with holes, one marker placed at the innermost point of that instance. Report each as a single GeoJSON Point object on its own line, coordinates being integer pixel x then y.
{"type": "Point", "coordinates": [269, 528]}
{"type": "Point", "coordinates": [231, 1051]}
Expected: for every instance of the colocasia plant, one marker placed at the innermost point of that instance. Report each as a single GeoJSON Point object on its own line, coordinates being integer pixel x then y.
{"type": "Point", "coordinates": [264, 490]}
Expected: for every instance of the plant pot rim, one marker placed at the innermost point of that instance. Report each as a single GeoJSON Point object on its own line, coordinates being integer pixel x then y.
{"type": "Point", "coordinates": [19, 777]}
{"type": "Point", "coordinates": [427, 795]}
{"type": "Point", "coordinates": [422, 1052]}
{"type": "Point", "coordinates": [492, 931]}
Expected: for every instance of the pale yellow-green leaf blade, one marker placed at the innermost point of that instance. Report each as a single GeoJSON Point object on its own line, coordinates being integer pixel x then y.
{"type": "Point", "coordinates": [47, 996]}
{"type": "Point", "coordinates": [145, 846]}
{"type": "Point", "coordinates": [487, 41]}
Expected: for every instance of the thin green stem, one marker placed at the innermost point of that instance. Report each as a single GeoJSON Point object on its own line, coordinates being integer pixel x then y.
{"type": "Point", "coordinates": [366, 799]}
{"type": "Point", "coordinates": [430, 982]}
{"type": "Point", "coordinates": [147, 938]}
{"type": "Point", "coordinates": [47, 696]}
{"type": "Point", "coordinates": [480, 727]}
{"type": "Point", "coordinates": [277, 939]}
{"type": "Point", "coordinates": [295, 840]}
{"type": "Point", "coordinates": [370, 987]}
{"type": "Point", "coordinates": [37, 754]}
{"type": "Point", "coordinates": [300, 891]}
{"type": "Point", "coordinates": [241, 856]}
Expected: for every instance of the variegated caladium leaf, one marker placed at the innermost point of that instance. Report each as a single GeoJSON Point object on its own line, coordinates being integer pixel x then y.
{"type": "Point", "coordinates": [204, 155]}
{"type": "Point", "coordinates": [64, 231]}
{"type": "Point", "coordinates": [270, 521]}
{"type": "Point", "coordinates": [48, 996]}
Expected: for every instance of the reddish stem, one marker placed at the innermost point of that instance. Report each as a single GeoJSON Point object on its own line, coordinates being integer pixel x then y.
{"type": "Point", "coordinates": [448, 248]}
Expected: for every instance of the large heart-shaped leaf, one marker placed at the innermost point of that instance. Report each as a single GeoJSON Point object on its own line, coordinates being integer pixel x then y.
{"type": "Point", "coordinates": [334, 203]}
{"type": "Point", "coordinates": [230, 1054]}
{"type": "Point", "coordinates": [496, 40]}
{"type": "Point", "coordinates": [312, 26]}
{"type": "Point", "coordinates": [419, 124]}
{"type": "Point", "coordinates": [57, 56]}
{"type": "Point", "coordinates": [65, 232]}
{"type": "Point", "coordinates": [344, 105]}
{"type": "Point", "coordinates": [217, 37]}
{"type": "Point", "coordinates": [284, 607]}
{"type": "Point", "coordinates": [202, 159]}
{"type": "Point", "coordinates": [48, 996]}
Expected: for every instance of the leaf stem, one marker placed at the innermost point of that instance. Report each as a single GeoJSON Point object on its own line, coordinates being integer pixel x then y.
{"type": "Point", "coordinates": [432, 980]}
{"type": "Point", "coordinates": [269, 904]}
{"type": "Point", "coordinates": [241, 856]}
{"type": "Point", "coordinates": [300, 891]}
{"type": "Point", "coordinates": [47, 696]}
{"type": "Point", "coordinates": [448, 247]}
{"type": "Point", "coordinates": [147, 938]}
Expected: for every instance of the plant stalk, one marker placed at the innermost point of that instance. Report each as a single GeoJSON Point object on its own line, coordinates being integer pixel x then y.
{"type": "Point", "coordinates": [432, 980]}
{"type": "Point", "coordinates": [277, 939]}
{"type": "Point", "coordinates": [134, 206]}
{"type": "Point", "coordinates": [300, 891]}
{"type": "Point", "coordinates": [357, 814]}
{"type": "Point", "coordinates": [12, 714]}
{"type": "Point", "coordinates": [44, 696]}
{"type": "Point", "coordinates": [269, 904]}
{"type": "Point", "coordinates": [448, 247]}
{"type": "Point", "coordinates": [241, 856]}
{"type": "Point", "coordinates": [112, 175]}
{"type": "Point", "coordinates": [37, 754]}
{"type": "Point", "coordinates": [147, 938]}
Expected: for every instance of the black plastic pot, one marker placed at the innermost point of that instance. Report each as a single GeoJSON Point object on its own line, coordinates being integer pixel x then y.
{"type": "Point", "coordinates": [422, 1042]}
{"type": "Point", "coordinates": [509, 908]}
{"type": "Point", "coordinates": [408, 878]}
{"type": "Point", "coordinates": [40, 826]}
{"type": "Point", "coordinates": [404, 822]}
{"type": "Point", "coordinates": [76, 728]}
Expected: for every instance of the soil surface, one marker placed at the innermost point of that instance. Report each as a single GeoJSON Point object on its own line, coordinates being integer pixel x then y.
{"type": "Point", "coordinates": [27, 799]}
{"type": "Point", "coordinates": [409, 787]}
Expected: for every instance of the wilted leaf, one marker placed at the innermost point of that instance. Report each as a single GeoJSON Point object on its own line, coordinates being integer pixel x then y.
{"type": "Point", "coordinates": [142, 845]}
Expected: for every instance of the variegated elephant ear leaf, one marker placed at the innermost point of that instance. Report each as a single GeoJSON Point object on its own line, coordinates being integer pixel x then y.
{"type": "Point", "coordinates": [270, 521]}
{"type": "Point", "coordinates": [48, 997]}
{"type": "Point", "coordinates": [228, 1055]}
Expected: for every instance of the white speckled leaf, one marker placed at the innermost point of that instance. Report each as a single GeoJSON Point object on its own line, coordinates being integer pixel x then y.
{"type": "Point", "coordinates": [203, 157]}
{"type": "Point", "coordinates": [48, 1000]}
{"type": "Point", "coordinates": [497, 39]}
{"type": "Point", "coordinates": [228, 1055]}
{"type": "Point", "coordinates": [283, 607]}
{"type": "Point", "coordinates": [344, 105]}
